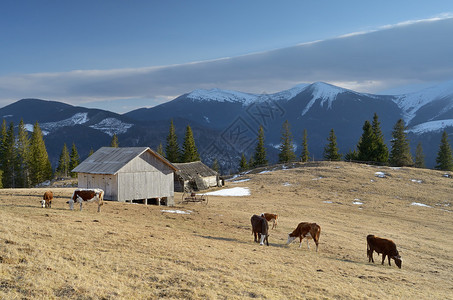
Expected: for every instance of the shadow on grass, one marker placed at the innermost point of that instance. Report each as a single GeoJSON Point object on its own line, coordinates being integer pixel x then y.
{"type": "Point", "coordinates": [238, 241]}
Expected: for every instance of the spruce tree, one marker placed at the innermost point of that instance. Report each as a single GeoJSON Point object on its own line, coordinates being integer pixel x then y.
{"type": "Point", "coordinates": [444, 160]}
{"type": "Point", "coordinates": [243, 166]}
{"type": "Point", "coordinates": [9, 159]}
{"type": "Point", "coordinates": [114, 142]}
{"type": "Point", "coordinates": [63, 162]}
{"type": "Point", "coordinates": [419, 157]}
{"type": "Point", "coordinates": [190, 152]}
{"type": "Point", "coordinates": [352, 155]}
{"type": "Point", "coordinates": [381, 152]}
{"type": "Point", "coordinates": [215, 166]}
{"type": "Point", "coordinates": [286, 145]}
{"type": "Point", "coordinates": [331, 149]}
{"type": "Point", "coordinates": [91, 152]}
{"type": "Point", "coordinates": [366, 147]}
{"type": "Point", "coordinates": [74, 160]}
{"type": "Point", "coordinates": [23, 156]}
{"type": "Point", "coordinates": [259, 158]}
{"type": "Point", "coordinates": [251, 163]}
{"type": "Point", "coordinates": [160, 150]}
{"type": "Point", "coordinates": [400, 154]}
{"type": "Point", "coordinates": [3, 131]}
{"type": "Point", "coordinates": [305, 155]}
{"type": "Point", "coordinates": [172, 147]}
{"type": "Point", "coordinates": [40, 167]}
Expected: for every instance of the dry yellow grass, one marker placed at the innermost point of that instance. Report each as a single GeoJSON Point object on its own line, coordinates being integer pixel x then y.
{"type": "Point", "coordinates": [133, 251]}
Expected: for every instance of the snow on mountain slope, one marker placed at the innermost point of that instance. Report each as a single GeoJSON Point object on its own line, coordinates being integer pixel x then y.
{"type": "Point", "coordinates": [411, 103]}
{"type": "Point", "coordinates": [433, 126]}
{"type": "Point", "coordinates": [112, 126]}
{"type": "Point", "coordinates": [78, 118]}
{"type": "Point", "coordinates": [326, 92]}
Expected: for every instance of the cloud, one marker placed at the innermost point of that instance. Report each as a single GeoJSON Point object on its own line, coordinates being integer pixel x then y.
{"type": "Point", "coordinates": [405, 53]}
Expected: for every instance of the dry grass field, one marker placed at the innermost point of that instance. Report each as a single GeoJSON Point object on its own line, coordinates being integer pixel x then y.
{"type": "Point", "coordinates": [133, 251]}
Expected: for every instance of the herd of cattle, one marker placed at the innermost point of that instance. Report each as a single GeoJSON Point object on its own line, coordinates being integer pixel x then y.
{"type": "Point", "coordinates": [260, 226]}
{"type": "Point", "coordinates": [260, 230]}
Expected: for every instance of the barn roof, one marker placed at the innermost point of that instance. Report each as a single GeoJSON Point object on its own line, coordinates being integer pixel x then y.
{"type": "Point", "coordinates": [190, 170]}
{"type": "Point", "coordinates": [109, 160]}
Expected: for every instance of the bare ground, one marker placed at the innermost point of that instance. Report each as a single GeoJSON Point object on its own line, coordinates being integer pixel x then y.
{"type": "Point", "coordinates": [133, 251]}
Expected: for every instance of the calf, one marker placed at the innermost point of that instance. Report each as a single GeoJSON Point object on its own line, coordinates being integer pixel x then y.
{"type": "Point", "coordinates": [384, 246]}
{"type": "Point", "coordinates": [305, 230]}
{"type": "Point", "coordinates": [88, 195]}
{"type": "Point", "coordinates": [47, 199]}
{"type": "Point", "coordinates": [271, 217]}
{"type": "Point", "coordinates": [260, 229]}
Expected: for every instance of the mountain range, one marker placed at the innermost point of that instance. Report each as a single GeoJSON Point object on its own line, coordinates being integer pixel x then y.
{"type": "Point", "coordinates": [225, 123]}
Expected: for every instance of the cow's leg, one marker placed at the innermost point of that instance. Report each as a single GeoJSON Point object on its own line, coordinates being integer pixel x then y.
{"type": "Point", "coordinates": [308, 246]}
{"type": "Point", "coordinates": [300, 243]}
{"type": "Point", "coordinates": [383, 258]}
{"type": "Point", "coordinates": [388, 256]}
{"type": "Point", "coordinates": [263, 237]}
{"type": "Point", "coordinates": [99, 206]}
{"type": "Point", "coordinates": [316, 242]}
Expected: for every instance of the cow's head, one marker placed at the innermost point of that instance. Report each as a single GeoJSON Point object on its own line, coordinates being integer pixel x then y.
{"type": "Point", "coordinates": [290, 238]}
{"type": "Point", "coordinates": [398, 260]}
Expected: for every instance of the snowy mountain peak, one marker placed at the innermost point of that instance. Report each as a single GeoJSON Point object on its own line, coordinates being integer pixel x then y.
{"type": "Point", "coordinates": [222, 96]}
{"type": "Point", "coordinates": [324, 92]}
{"type": "Point", "coordinates": [412, 102]}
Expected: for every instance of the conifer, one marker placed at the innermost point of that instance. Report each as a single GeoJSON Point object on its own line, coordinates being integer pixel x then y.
{"type": "Point", "coordinates": [243, 166]}
{"type": "Point", "coordinates": [63, 162]}
{"type": "Point", "coordinates": [381, 152]}
{"type": "Point", "coordinates": [23, 156]}
{"type": "Point", "coordinates": [40, 167]}
{"type": "Point", "coordinates": [190, 152]}
{"type": "Point", "coordinates": [259, 158]}
{"type": "Point", "coordinates": [286, 145]}
{"type": "Point", "coordinates": [172, 148]}
{"type": "Point", "coordinates": [215, 166]}
{"type": "Point", "coordinates": [74, 160]}
{"type": "Point", "coordinates": [305, 155]}
{"type": "Point", "coordinates": [419, 157]}
{"type": "Point", "coordinates": [9, 159]}
{"type": "Point", "coordinates": [400, 155]}
{"type": "Point", "coordinates": [444, 160]}
{"type": "Point", "coordinates": [331, 149]}
{"type": "Point", "coordinates": [114, 142]}
{"type": "Point", "coordinates": [366, 147]}
{"type": "Point", "coordinates": [160, 150]}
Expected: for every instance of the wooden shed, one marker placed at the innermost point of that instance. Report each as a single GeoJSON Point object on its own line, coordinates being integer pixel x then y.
{"type": "Point", "coordinates": [195, 176]}
{"type": "Point", "coordinates": [129, 174]}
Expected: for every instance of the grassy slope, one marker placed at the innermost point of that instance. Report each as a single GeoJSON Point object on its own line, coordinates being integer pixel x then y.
{"type": "Point", "coordinates": [137, 251]}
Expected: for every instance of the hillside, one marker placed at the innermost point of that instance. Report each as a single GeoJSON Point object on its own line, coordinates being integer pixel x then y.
{"type": "Point", "coordinates": [133, 251]}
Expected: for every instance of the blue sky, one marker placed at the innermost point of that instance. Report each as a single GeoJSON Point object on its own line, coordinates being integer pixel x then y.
{"type": "Point", "coordinates": [120, 55]}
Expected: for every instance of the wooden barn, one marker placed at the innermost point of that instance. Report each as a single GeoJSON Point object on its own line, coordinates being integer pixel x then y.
{"type": "Point", "coordinates": [195, 176]}
{"type": "Point", "coordinates": [135, 174]}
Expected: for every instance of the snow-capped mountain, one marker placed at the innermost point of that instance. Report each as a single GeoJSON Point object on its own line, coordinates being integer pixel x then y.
{"type": "Point", "coordinates": [225, 122]}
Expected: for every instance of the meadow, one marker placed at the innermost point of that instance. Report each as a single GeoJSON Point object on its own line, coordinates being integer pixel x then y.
{"type": "Point", "coordinates": [136, 251]}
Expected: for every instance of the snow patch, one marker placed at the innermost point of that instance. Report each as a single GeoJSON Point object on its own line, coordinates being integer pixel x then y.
{"type": "Point", "coordinates": [241, 180]}
{"type": "Point", "coordinates": [420, 204]}
{"type": "Point", "coordinates": [46, 128]}
{"type": "Point", "coordinates": [325, 92]}
{"type": "Point", "coordinates": [237, 191]}
{"type": "Point", "coordinates": [417, 180]}
{"type": "Point", "coordinates": [432, 126]}
{"type": "Point", "coordinates": [176, 211]}
{"type": "Point", "coordinates": [357, 202]}
{"type": "Point", "coordinates": [379, 174]}
{"type": "Point", "coordinates": [286, 184]}
{"type": "Point", "coordinates": [112, 126]}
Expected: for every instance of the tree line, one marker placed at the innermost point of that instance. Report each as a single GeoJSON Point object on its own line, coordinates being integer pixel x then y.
{"type": "Point", "coordinates": [371, 148]}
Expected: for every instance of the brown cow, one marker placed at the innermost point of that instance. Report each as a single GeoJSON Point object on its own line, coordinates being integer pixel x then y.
{"type": "Point", "coordinates": [384, 246]}
{"type": "Point", "coordinates": [47, 199]}
{"type": "Point", "coordinates": [88, 195]}
{"type": "Point", "coordinates": [271, 217]}
{"type": "Point", "coordinates": [305, 230]}
{"type": "Point", "coordinates": [260, 229]}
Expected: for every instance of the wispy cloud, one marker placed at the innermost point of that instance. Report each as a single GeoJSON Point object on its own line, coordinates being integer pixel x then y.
{"type": "Point", "coordinates": [404, 53]}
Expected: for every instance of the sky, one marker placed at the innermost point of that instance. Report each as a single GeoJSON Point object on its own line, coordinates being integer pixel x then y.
{"type": "Point", "coordinates": [123, 55]}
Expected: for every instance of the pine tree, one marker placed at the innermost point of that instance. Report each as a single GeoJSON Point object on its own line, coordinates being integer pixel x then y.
{"type": "Point", "coordinates": [419, 157]}
{"type": "Point", "coordinates": [23, 156]}
{"type": "Point", "coordinates": [190, 152]}
{"type": "Point", "coordinates": [215, 166]}
{"type": "Point", "coordinates": [352, 155]}
{"type": "Point", "coordinates": [331, 149]}
{"type": "Point", "coordinates": [172, 147]}
{"type": "Point", "coordinates": [243, 166]}
{"type": "Point", "coordinates": [63, 163]}
{"type": "Point", "coordinates": [259, 158]}
{"type": "Point", "coordinates": [40, 167]}
{"type": "Point", "coordinates": [400, 154]}
{"type": "Point", "coordinates": [305, 155]}
{"type": "Point", "coordinates": [91, 152]}
{"type": "Point", "coordinates": [381, 152]}
{"type": "Point", "coordinates": [286, 146]}
{"type": "Point", "coordinates": [160, 150]}
{"type": "Point", "coordinates": [366, 146]}
{"type": "Point", "coordinates": [9, 159]}
{"type": "Point", "coordinates": [444, 160]}
{"type": "Point", "coordinates": [114, 142]}
{"type": "Point", "coordinates": [251, 163]}
{"type": "Point", "coordinates": [74, 160]}
{"type": "Point", "coordinates": [3, 131]}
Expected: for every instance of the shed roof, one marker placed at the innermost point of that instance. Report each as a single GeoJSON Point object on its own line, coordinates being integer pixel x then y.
{"type": "Point", "coordinates": [109, 160]}
{"type": "Point", "coordinates": [190, 170]}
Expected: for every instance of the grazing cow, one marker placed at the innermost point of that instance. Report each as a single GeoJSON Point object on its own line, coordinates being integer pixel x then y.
{"type": "Point", "coordinates": [384, 246]}
{"type": "Point", "coordinates": [271, 217]}
{"type": "Point", "coordinates": [88, 195]}
{"type": "Point", "coordinates": [305, 230]}
{"type": "Point", "coordinates": [47, 199]}
{"type": "Point", "coordinates": [260, 229]}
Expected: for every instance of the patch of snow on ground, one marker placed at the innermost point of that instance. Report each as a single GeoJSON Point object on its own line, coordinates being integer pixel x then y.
{"type": "Point", "coordinates": [177, 211]}
{"type": "Point", "coordinates": [112, 126]}
{"type": "Point", "coordinates": [237, 191]}
{"type": "Point", "coordinates": [357, 202]}
{"type": "Point", "coordinates": [241, 180]}
{"type": "Point", "coordinates": [262, 172]}
{"type": "Point", "coordinates": [327, 201]}
{"type": "Point", "coordinates": [318, 178]}
{"type": "Point", "coordinates": [420, 204]}
{"type": "Point", "coordinates": [379, 174]}
{"type": "Point", "coordinates": [286, 184]}
{"type": "Point", "coordinates": [417, 180]}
